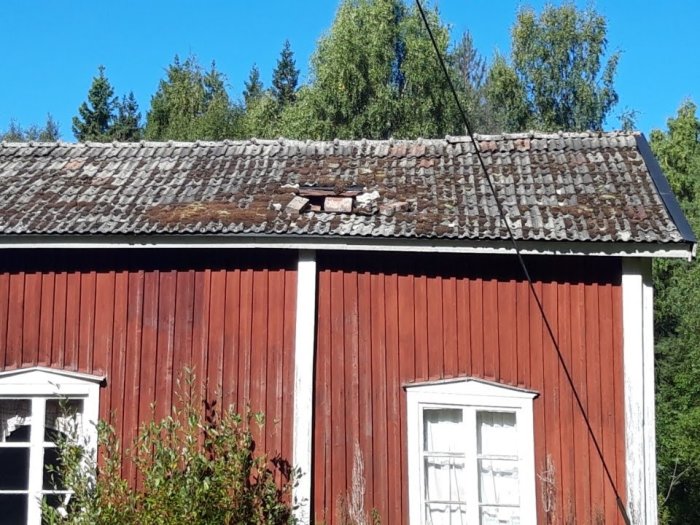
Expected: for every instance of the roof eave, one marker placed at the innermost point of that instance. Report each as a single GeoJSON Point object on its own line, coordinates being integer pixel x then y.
{"type": "Point", "coordinates": [683, 249]}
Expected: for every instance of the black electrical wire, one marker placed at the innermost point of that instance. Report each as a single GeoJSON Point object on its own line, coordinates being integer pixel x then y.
{"type": "Point", "coordinates": [523, 266]}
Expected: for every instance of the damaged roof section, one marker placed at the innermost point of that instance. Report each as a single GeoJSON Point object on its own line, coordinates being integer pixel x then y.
{"type": "Point", "coordinates": [572, 186]}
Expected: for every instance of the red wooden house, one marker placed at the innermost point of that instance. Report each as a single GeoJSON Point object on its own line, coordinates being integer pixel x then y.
{"type": "Point", "coordinates": [366, 297]}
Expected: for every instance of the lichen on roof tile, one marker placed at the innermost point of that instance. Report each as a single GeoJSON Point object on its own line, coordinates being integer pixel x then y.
{"type": "Point", "coordinates": [571, 186]}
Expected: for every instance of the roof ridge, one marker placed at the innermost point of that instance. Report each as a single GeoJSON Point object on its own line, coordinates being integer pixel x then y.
{"type": "Point", "coordinates": [532, 134]}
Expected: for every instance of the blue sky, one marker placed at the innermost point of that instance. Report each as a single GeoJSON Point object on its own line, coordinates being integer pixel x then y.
{"type": "Point", "coordinates": [52, 48]}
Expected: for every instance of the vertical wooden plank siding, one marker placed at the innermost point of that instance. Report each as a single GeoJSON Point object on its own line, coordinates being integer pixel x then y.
{"type": "Point", "coordinates": [141, 317]}
{"type": "Point", "coordinates": [384, 323]}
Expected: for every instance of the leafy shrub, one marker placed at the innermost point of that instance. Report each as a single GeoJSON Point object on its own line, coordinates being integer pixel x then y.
{"type": "Point", "coordinates": [194, 466]}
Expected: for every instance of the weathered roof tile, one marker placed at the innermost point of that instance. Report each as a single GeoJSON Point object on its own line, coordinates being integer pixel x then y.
{"type": "Point", "coordinates": [575, 186]}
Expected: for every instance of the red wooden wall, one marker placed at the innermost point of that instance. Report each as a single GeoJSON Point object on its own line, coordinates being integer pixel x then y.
{"type": "Point", "coordinates": [386, 321]}
{"type": "Point", "coordinates": [140, 317]}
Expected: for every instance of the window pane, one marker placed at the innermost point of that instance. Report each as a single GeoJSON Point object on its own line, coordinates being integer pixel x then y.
{"type": "Point", "coordinates": [62, 415]}
{"type": "Point", "coordinates": [445, 514]}
{"type": "Point", "coordinates": [498, 482]}
{"type": "Point", "coordinates": [444, 479]}
{"type": "Point", "coordinates": [14, 509]}
{"type": "Point", "coordinates": [498, 478]}
{"type": "Point", "coordinates": [442, 430]}
{"type": "Point", "coordinates": [56, 501]}
{"type": "Point", "coordinates": [497, 434]}
{"type": "Point", "coordinates": [52, 479]}
{"type": "Point", "coordinates": [500, 516]}
{"type": "Point", "coordinates": [14, 474]}
{"type": "Point", "coordinates": [14, 415]}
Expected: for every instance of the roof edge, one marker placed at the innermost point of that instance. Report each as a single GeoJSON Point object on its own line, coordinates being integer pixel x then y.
{"type": "Point", "coordinates": [665, 192]}
{"type": "Point", "coordinates": [684, 250]}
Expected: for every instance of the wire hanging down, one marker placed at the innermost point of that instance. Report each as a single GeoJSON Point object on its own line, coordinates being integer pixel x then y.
{"type": "Point", "coordinates": [523, 266]}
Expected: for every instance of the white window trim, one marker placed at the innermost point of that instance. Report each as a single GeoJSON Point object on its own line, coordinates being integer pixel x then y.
{"type": "Point", "coordinates": [479, 395]}
{"type": "Point", "coordinates": [41, 383]}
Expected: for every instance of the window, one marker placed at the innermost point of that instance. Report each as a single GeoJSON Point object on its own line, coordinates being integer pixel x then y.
{"type": "Point", "coordinates": [471, 454]}
{"type": "Point", "coordinates": [36, 406]}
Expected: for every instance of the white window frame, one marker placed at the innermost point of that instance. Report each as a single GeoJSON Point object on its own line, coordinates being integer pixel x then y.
{"type": "Point", "coordinates": [471, 395]}
{"type": "Point", "coordinates": [40, 384]}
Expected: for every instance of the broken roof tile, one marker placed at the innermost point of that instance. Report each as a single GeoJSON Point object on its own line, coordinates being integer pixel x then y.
{"type": "Point", "coordinates": [563, 186]}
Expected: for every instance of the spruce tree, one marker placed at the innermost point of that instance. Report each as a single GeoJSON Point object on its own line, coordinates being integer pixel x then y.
{"type": "Point", "coordinates": [127, 123]}
{"type": "Point", "coordinates": [285, 77]}
{"type": "Point", "coordinates": [253, 86]}
{"type": "Point", "coordinates": [16, 133]}
{"type": "Point", "coordinates": [96, 114]}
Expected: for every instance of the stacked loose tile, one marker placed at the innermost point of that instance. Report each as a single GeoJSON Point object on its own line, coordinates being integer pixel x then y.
{"type": "Point", "coordinates": [574, 186]}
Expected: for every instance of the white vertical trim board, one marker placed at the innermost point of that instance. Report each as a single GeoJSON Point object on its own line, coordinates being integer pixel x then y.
{"type": "Point", "coordinates": [304, 382]}
{"type": "Point", "coordinates": [640, 419]}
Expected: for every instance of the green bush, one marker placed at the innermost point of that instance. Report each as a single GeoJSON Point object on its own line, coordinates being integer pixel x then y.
{"type": "Point", "coordinates": [195, 467]}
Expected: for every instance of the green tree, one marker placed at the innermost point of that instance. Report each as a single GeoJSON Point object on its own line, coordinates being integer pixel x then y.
{"type": "Point", "coordinates": [196, 466]}
{"type": "Point", "coordinates": [261, 118]}
{"type": "Point", "coordinates": [375, 75]}
{"type": "Point", "coordinates": [96, 114]}
{"type": "Point", "coordinates": [49, 132]}
{"type": "Point", "coordinates": [426, 103]}
{"type": "Point", "coordinates": [191, 104]}
{"type": "Point", "coordinates": [557, 59]}
{"type": "Point", "coordinates": [470, 75]}
{"type": "Point", "coordinates": [285, 77]}
{"type": "Point", "coordinates": [253, 87]}
{"type": "Point", "coordinates": [677, 318]}
{"type": "Point", "coordinates": [127, 122]}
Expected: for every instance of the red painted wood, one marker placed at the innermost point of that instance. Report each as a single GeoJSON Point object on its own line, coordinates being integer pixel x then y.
{"type": "Point", "coordinates": [221, 293]}
{"type": "Point", "coordinates": [228, 357]}
{"type": "Point", "coordinates": [476, 322]}
{"type": "Point", "coordinates": [436, 317]}
{"type": "Point", "coordinates": [618, 387]}
{"type": "Point", "coordinates": [117, 376]}
{"type": "Point", "coordinates": [4, 313]}
{"type": "Point", "coordinates": [607, 393]}
{"type": "Point", "coordinates": [46, 318]}
{"type": "Point", "coordinates": [15, 318]}
{"type": "Point", "coordinates": [245, 335]}
{"type": "Point", "coordinates": [72, 320]}
{"type": "Point", "coordinates": [378, 389]}
{"type": "Point", "coordinates": [258, 348]}
{"type": "Point", "coordinates": [141, 318]}
{"type": "Point", "coordinates": [395, 424]}
{"type": "Point", "coordinates": [464, 348]}
{"type": "Point", "coordinates": [322, 402]}
{"type": "Point", "coordinates": [31, 318]}
{"type": "Point", "coordinates": [352, 371]}
{"type": "Point", "coordinates": [87, 321]}
{"type": "Point", "coordinates": [567, 438]}
{"type": "Point", "coordinates": [58, 338]}
{"type": "Point", "coordinates": [436, 346]}
{"type": "Point", "coordinates": [366, 406]}
{"type": "Point", "coordinates": [578, 370]}
{"type": "Point", "coordinates": [132, 385]}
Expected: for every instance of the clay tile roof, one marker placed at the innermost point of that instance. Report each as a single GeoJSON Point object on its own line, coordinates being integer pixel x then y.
{"type": "Point", "coordinates": [570, 186]}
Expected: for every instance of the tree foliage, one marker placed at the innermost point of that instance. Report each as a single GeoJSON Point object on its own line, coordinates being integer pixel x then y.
{"type": "Point", "coordinates": [285, 77]}
{"type": "Point", "coordinates": [104, 117]}
{"type": "Point", "coordinates": [557, 71]}
{"type": "Point", "coordinates": [195, 467]}
{"type": "Point", "coordinates": [191, 104]}
{"type": "Point", "coordinates": [95, 115]}
{"type": "Point", "coordinates": [677, 322]}
{"type": "Point", "coordinates": [253, 87]}
{"type": "Point", "coordinates": [49, 132]}
{"type": "Point", "coordinates": [375, 75]}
